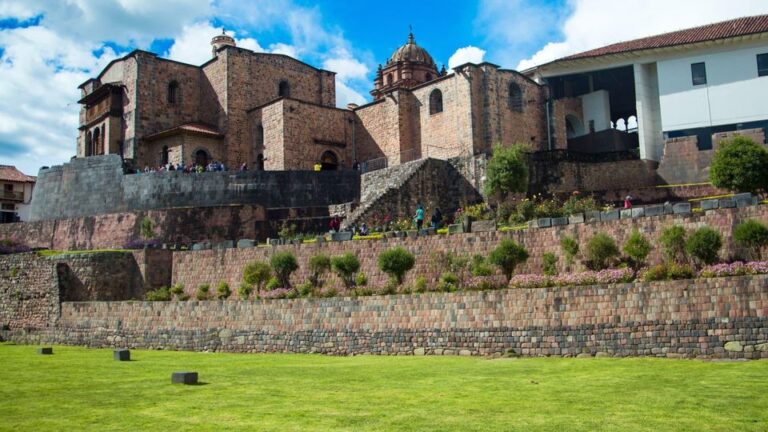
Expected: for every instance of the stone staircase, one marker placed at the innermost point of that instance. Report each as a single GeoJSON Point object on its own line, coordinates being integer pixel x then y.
{"type": "Point", "coordinates": [376, 185]}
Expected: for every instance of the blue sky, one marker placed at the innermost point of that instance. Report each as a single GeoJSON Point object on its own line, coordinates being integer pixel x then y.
{"type": "Point", "coordinates": [48, 47]}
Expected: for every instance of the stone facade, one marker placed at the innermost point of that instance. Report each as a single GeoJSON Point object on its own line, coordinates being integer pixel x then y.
{"type": "Point", "coordinates": [711, 318]}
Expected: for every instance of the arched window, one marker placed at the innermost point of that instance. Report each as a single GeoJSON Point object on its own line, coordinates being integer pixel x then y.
{"type": "Point", "coordinates": [173, 92]}
{"type": "Point", "coordinates": [284, 89]}
{"type": "Point", "coordinates": [260, 162]}
{"type": "Point", "coordinates": [258, 141]}
{"type": "Point", "coordinates": [515, 97]}
{"type": "Point", "coordinates": [389, 79]}
{"type": "Point", "coordinates": [435, 101]}
{"type": "Point", "coordinates": [164, 156]}
{"type": "Point", "coordinates": [96, 141]}
{"type": "Point", "coordinates": [202, 158]}
{"type": "Point", "coordinates": [88, 144]}
{"type": "Point", "coordinates": [329, 161]}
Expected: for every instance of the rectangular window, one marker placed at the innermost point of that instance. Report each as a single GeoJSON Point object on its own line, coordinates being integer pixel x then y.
{"type": "Point", "coordinates": [762, 65]}
{"type": "Point", "coordinates": [8, 187]}
{"type": "Point", "coordinates": [698, 73]}
{"type": "Point", "coordinates": [9, 207]}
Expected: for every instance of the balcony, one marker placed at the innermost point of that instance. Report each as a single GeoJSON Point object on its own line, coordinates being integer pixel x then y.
{"type": "Point", "coordinates": [15, 196]}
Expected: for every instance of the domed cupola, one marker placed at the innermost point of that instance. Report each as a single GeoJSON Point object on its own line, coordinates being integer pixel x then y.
{"type": "Point", "coordinates": [409, 66]}
{"type": "Point", "coordinates": [410, 52]}
{"type": "Point", "coordinates": [220, 41]}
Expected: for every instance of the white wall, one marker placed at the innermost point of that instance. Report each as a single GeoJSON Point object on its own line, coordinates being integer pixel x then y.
{"type": "Point", "coordinates": [733, 93]}
{"type": "Point", "coordinates": [648, 111]}
{"type": "Point", "coordinates": [596, 107]}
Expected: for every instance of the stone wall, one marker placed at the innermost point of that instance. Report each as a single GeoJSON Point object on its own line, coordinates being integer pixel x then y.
{"type": "Point", "coordinates": [99, 276]}
{"type": "Point", "coordinates": [60, 191]}
{"type": "Point", "coordinates": [715, 318]}
{"type": "Point", "coordinates": [29, 295]}
{"type": "Point", "coordinates": [212, 266]}
{"type": "Point", "coordinates": [565, 176]}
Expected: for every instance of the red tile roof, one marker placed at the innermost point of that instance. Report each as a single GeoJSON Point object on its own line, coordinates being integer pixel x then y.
{"type": "Point", "coordinates": [726, 29]}
{"type": "Point", "coordinates": [10, 173]}
{"type": "Point", "coordinates": [194, 128]}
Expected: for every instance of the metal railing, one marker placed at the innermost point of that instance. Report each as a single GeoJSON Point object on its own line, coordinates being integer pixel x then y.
{"type": "Point", "coordinates": [12, 195]}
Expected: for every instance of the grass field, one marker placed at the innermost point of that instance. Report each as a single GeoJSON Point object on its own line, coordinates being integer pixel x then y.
{"type": "Point", "coordinates": [84, 389]}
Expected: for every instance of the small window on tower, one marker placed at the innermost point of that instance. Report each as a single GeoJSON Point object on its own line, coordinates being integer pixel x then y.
{"type": "Point", "coordinates": [435, 101]}
{"type": "Point", "coordinates": [173, 92]}
{"type": "Point", "coordinates": [284, 89]}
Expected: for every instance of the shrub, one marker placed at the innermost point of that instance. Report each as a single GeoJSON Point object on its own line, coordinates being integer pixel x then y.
{"type": "Point", "coordinates": [177, 290]}
{"type": "Point", "coordinates": [396, 262]}
{"type": "Point", "coordinates": [680, 271]}
{"type": "Point", "coordinates": [655, 273]}
{"type": "Point", "coordinates": [318, 266]}
{"type": "Point", "coordinates": [202, 291]}
{"type": "Point", "coordinates": [549, 264]}
{"type": "Point", "coordinates": [704, 245]}
{"type": "Point", "coordinates": [420, 284]}
{"type": "Point", "coordinates": [449, 282]}
{"type": "Point", "coordinates": [272, 284]}
{"type": "Point", "coordinates": [256, 273]}
{"type": "Point", "coordinates": [507, 256]}
{"type": "Point", "coordinates": [601, 250]}
{"type": "Point", "coordinates": [306, 289]}
{"type": "Point", "coordinates": [363, 291]}
{"type": "Point", "coordinates": [146, 228]}
{"type": "Point", "coordinates": [452, 263]}
{"type": "Point", "coordinates": [244, 291]}
{"type": "Point", "coordinates": [507, 170]}
{"type": "Point", "coordinates": [11, 246]}
{"type": "Point", "coordinates": [577, 204]}
{"type": "Point", "coordinates": [159, 294]}
{"type": "Point", "coordinates": [673, 243]}
{"type": "Point", "coordinates": [740, 164]}
{"type": "Point", "coordinates": [346, 266]}
{"type": "Point", "coordinates": [751, 235]}
{"type": "Point", "coordinates": [480, 267]}
{"type": "Point", "coordinates": [570, 248]}
{"type": "Point", "coordinates": [637, 248]}
{"type": "Point", "coordinates": [283, 264]}
{"type": "Point", "coordinates": [361, 279]}
{"type": "Point", "coordinates": [222, 291]}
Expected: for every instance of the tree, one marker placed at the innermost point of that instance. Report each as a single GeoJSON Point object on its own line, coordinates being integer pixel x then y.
{"type": "Point", "coordinates": [396, 262]}
{"type": "Point", "coordinates": [507, 171]}
{"type": "Point", "coordinates": [507, 256]}
{"type": "Point", "coordinates": [283, 264]}
{"type": "Point", "coordinates": [673, 243]}
{"type": "Point", "coordinates": [752, 236]}
{"type": "Point", "coordinates": [570, 248]}
{"type": "Point", "coordinates": [318, 265]}
{"type": "Point", "coordinates": [346, 266]}
{"type": "Point", "coordinates": [146, 228]}
{"type": "Point", "coordinates": [740, 164]}
{"type": "Point", "coordinates": [256, 273]}
{"type": "Point", "coordinates": [637, 248]}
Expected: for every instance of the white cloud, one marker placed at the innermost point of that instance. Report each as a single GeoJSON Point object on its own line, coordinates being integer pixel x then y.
{"type": "Point", "coordinates": [346, 95]}
{"type": "Point", "coordinates": [282, 48]}
{"type": "Point", "coordinates": [193, 46]}
{"type": "Point", "coordinates": [468, 54]}
{"type": "Point", "coordinates": [347, 68]}
{"type": "Point", "coordinates": [596, 23]}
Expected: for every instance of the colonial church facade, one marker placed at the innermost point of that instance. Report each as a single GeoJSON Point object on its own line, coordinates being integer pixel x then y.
{"type": "Point", "coordinates": [274, 112]}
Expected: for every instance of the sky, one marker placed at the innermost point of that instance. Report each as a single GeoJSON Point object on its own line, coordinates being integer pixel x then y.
{"type": "Point", "coordinates": [49, 47]}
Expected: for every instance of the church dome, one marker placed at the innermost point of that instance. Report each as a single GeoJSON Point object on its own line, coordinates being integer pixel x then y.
{"type": "Point", "coordinates": [410, 52]}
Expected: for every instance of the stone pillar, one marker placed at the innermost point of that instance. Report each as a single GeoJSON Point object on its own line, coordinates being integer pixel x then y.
{"type": "Point", "coordinates": [649, 128]}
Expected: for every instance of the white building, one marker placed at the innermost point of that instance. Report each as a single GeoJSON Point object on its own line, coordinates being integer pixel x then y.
{"type": "Point", "coordinates": [15, 195]}
{"type": "Point", "coordinates": [694, 82]}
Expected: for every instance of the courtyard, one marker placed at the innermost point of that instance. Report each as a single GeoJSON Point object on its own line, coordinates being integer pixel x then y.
{"type": "Point", "coordinates": [85, 389]}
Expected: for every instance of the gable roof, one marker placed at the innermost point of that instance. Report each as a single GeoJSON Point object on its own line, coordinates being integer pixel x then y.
{"type": "Point", "coordinates": [10, 173]}
{"type": "Point", "coordinates": [193, 128]}
{"type": "Point", "coordinates": [744, 26]}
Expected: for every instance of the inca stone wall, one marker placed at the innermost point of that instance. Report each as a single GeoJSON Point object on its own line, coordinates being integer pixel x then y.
{"type": "Point", "coordinates": [213, 266]}
{"type": "Point", "coordinates": [29, 294]}
{"type": "Point", "coordinates": [716, 318]}
{"type": "Point", "coordinates": [61, 191]}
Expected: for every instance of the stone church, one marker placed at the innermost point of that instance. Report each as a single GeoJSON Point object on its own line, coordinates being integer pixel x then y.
{"type": "Point", "coordinates": [274, 112]}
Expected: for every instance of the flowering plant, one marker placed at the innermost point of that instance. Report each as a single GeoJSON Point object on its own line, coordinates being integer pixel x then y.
{"type": "Point", "coordinates": [610, 276]}
{"type": "Point", "coordinates": [737, 268]}
{"type": "Point", "coordinates": [9, 246]}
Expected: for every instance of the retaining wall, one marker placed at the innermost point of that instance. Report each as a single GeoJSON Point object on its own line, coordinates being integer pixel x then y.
{"type": "Point", "coordinates": [725, 317]}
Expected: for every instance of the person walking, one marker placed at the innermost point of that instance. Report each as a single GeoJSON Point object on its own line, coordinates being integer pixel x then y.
{"type": "Point", "coordinates": [628, 202]}
{"type": "Point", "coordinates": [437, 217]}
{"type": "Point", "coordinates": [419, 216]}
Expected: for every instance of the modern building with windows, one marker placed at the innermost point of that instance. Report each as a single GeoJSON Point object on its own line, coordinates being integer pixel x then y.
{"type": "Point", "coordinates": [15, 195]}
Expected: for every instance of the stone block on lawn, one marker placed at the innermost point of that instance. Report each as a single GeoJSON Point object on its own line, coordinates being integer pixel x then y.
{"type": "Point", "coordinates": [576, 218]}
{"type": "Point", "coordinates": [419, 351]}
{"type": "Point", "coordinates": [609, 215]}
{"type": "Point", "coordinates": [227, 244]}
{"type": "Point", "coordinates": [245, 243]}
{"type": "Point", "coordinates": [187, 378]}
{"type": "Point", "coordinates": [727, 203]}
{"type": "Point", "coordinates": [681, 208]}
{"type": "Point", "coordinates": [273, 241]}
{"type": "Point", "coordinates": [122, 355]}
{"type": "Point", "coordinates": [668, 208]}
{"type": "Point", "coordinates": [484, 226]}
{"type": "Point", "coordinates": [656, 210]}
{"type": "Point", "coordinates": [45, 351]}
{"type": "Point", "coordinates": [423, 232]}
{"type": "Point", "coordinates": [710, 204]}
{"type": "Point", "coordinates": [592, 216]}
{"type": "Point", "coordinates": [559, 221]}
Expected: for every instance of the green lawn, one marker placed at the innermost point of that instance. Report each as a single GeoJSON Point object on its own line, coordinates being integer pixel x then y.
{"type": "Point", "coordinates": [84, 389]}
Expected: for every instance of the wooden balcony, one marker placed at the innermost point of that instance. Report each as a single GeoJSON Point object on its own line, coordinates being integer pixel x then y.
{"type": "Point", "coordinates": [12, 196]}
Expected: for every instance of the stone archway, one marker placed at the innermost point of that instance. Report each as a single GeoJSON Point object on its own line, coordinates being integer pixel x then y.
{"type": "Point", "coordinates": [202, 158]}
{"type": "Point", "coordinates": [329, 161]}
